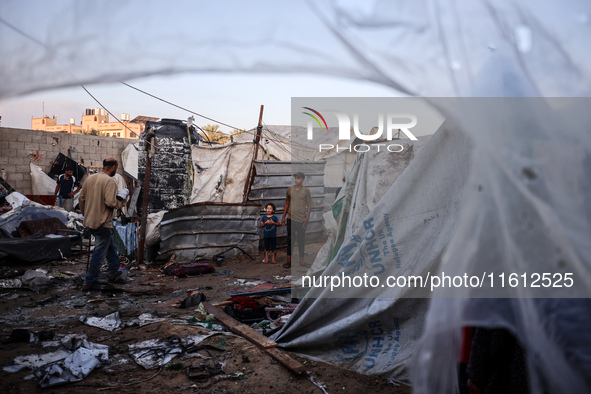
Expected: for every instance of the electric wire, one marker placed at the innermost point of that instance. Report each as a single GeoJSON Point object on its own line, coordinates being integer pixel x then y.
{"type": "Point", "coordinates": [300, 160]}
{"type": "Point", "coordinates": [178, 106]}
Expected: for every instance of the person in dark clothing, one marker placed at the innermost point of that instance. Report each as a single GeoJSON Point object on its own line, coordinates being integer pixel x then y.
{"type": "Point", "coordinates": [298, 205]}
{"type": "Point", "coordinates": [65, 189]}
{"type": "Point", "coordinates": [269, 223]}
{"type": "Point", "coordinates": [497, 363]}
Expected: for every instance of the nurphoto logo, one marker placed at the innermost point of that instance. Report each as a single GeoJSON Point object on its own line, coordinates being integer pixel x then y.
{"type": "Point", "coordinates": [395, 123]}
{"type": "Point", "coordinates": [345, 125]}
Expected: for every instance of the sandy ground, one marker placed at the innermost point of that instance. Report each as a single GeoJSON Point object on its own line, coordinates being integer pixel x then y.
{"type": "Point", "coordinates": [246, 368]}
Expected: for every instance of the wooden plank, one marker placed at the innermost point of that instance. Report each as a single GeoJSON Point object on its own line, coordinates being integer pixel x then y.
{"type": "Point", "coordinates": [255, 337]}
{"type": "Point", "coordinates": [279, 290]}
{"type": "Point", "coordinates": [133, 201]}
{"type": "Point", "coordinates": [239, 328]}
{"type": "Point", "coordinates": [290, 363]}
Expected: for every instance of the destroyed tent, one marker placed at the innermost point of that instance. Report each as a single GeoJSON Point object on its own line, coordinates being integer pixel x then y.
{"type": "Point", "coordinates": [224, 174]}
{"type": "Point", "coordinates": [434, 48]}
{"type": "Point", "coordinates": [221, 176]}
{"type": "Point", "coordinates": [34, 234]}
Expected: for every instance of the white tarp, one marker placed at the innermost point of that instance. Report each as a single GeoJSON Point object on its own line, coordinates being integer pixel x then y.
{"type": "Point", "coordinates": [42, 184]}
{"type": "Point", "coordinates": [129, 159]}
{"type": "Point", "coordinates": [274, 144]}
{"type": "Point", "coordinates": [220, 172]}
{"type": "Point", "coordinates": [153, 228]}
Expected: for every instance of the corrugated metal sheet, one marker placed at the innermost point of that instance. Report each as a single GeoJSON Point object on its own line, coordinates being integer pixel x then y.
{"type": "Point", "coordinates": [202, 230]}
{"type": "Point", "coordinates": [270, 185]}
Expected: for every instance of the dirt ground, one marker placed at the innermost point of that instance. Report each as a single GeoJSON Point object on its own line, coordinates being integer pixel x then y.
{"type": "Point", "coordinates": [244, 367]}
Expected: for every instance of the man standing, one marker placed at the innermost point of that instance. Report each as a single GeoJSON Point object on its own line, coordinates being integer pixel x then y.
{"type": "Point", "coordinates": [65, 186]}
{"type": "Point", "coordinates": [298, 205]}
{"type": "Point", "coordinates": [98, 199]}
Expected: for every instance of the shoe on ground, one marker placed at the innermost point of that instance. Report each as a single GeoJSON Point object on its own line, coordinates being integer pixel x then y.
{"type": "Point", "coordinates": [118, 277]}
{"type": "Point", "coordinates": [92, 286]}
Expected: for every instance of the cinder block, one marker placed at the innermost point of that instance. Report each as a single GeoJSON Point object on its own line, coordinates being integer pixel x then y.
{"type": "Point", "coordinates": [21, 162]}
{"type": "Point", "coordinates": [44, 147]}
{"type": "Point", "coordinates": [24, 137]}
{"type": "Point", "coordinates": [37, 136]}
{"type": "Point", "coordinates": [17, 176]}
{"type": "Point", "coordinates": [31, 146]}
{"type": "Point", "coordinates": [23, 186]}
{"type": "Point", "coordinates": [17, 146]}
{"type": "Point", "coordinates": [6, 153]}
{"type": "Point", "coordinates": [10, 169]}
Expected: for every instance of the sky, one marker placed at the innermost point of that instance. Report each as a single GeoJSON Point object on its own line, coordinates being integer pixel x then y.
{"type": "Point", "coordinates": [234, 99]}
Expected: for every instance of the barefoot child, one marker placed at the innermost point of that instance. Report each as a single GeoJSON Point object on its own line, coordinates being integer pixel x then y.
{"type": "Point", "coordinates": [269, 223]}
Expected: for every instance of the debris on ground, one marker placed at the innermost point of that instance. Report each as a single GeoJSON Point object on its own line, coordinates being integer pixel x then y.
{"type": "Point", "coordinates": [142, 320]}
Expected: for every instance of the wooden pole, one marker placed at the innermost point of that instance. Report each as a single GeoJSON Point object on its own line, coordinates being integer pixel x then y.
{"type": "Point", "coordinates": [257, 140]}
{"type": "Point", "coordinates": [148, 146]}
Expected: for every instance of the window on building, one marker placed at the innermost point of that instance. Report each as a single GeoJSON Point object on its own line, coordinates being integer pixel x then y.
{"type": "Point", "coordinates": [95, 118]}
{"type": "Point", "coordinates": [118, 134]}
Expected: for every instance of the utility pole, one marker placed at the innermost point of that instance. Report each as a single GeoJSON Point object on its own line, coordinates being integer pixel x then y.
{"type": "Point", "coordinates": [257, 140]}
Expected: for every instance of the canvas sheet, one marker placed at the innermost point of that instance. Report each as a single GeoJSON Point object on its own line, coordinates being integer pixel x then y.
{"type": "Point", "coordinates": [220, 172]}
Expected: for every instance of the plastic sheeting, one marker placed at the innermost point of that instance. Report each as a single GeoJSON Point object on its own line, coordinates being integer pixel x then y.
{"type": "Point", "coordinates": [513, 198]}
{"type": "Point", "coordinates": [127, 234]}
{"type": "Point", "coordinates": [9, 222]}
{"type": "Point", "coordinates": [428, 48]}
{"type": "Point", "coordinates": [527, 209]}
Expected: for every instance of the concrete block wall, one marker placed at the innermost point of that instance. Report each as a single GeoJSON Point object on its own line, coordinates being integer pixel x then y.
{"type": "Point", "coordinates": [19, 147]}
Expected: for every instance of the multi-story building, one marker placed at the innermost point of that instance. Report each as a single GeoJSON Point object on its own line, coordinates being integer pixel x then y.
{"type": "Point", "coordinates": [95, 121]}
